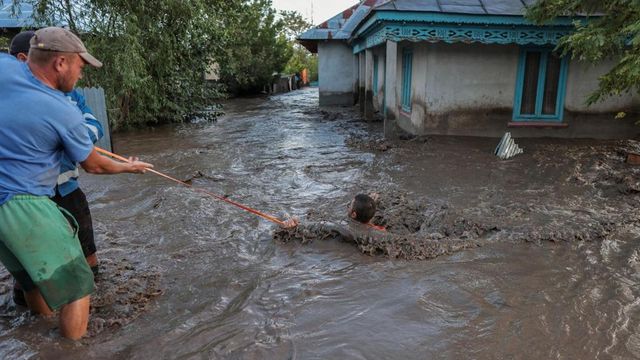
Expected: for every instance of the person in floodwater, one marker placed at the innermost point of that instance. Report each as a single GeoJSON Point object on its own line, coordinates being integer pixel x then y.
{"type": "Point", "coordinates": [68, 194]}
{"type": "Point", "coordinates": [360, 211]}
{"type": "Point", "coordinates": [369, 238]}
{"type": "Point", "coordinates": [38, 125]}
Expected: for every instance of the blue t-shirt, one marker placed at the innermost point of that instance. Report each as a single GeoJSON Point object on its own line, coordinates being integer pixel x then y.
{"type": "Point", "coordinates": [68, 178]}
{"type": "Point", "coordinates": [38, 125]}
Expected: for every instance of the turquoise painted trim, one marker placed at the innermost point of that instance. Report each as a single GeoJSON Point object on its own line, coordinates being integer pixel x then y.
{"type": "Point", "coordinates": [407, 71]}
{"type": "Point", "coordinates": [384, 87]}
{"type": "Point", "coordinates": [517, 101]}
{"type": "Point", "coordinates": [452, 33]}
{"type": "Point", "coordinates": [542, 72]}
{"type": "Point", "coordinates": [562, 87]}
{"type": "Point", "coordinates": [375, 75]}
{"type": "Point", "coordinates": [430, 17]}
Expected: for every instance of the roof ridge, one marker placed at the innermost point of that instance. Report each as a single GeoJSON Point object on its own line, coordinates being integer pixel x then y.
{"type": "Point", "coordinates": [484, 8]}
{"type": "Point", "coordinates": [439, 5]}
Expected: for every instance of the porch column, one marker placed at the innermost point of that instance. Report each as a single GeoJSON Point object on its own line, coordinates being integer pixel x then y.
{"type": "Point", "coordinates": [391, 91]}
{"type": "Point", "coordinates": [361, 72]}
{"type": "Point", "coordinates": [368, 88]}
{"type": "Point", "coordinates": [356, 78]}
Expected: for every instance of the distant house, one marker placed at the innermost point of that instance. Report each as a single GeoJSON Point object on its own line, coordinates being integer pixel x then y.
{"type": "Point", "coordinates": [462, 67]}
{"type": "Point", "coordinates": [14, 19]}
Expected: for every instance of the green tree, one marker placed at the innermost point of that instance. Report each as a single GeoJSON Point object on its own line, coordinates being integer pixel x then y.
{"type": "Point", "coordinates": [293, 24]}
{"type": "Point", "coordinates": [156, 52]}
{"type": "Point", "coordinates": [604, 29]}
{"type": "Point", "coordinates": [259, 48]}
{"type": "Point", "coordinates": [301, 59]}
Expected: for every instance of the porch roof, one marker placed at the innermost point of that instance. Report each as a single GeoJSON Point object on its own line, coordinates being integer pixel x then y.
{"type": "Point", "coordinates": [478, 7]}
{"type": "Point", "coordinates": [18, 17]}
{"type": "Point", "coordinates": [363, 25]}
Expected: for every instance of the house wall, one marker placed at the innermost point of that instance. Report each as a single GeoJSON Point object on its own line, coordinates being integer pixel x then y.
{"type": "Point", "coordinates": [462, 89]}
{"type": "Point", "coordinates": [336, 76]}
{"type": "Point", "coordinates": [468, 89]}
{"type": "Point", "coordinates": [378, 98]}
{"type": "Point", "coordinates": [582, 80]}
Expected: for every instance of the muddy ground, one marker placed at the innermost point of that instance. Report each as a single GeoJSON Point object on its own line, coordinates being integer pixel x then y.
{"type": "Point", "coordinates": [604, 193]}
{"type": "Point", "coordinates": [124, 291]}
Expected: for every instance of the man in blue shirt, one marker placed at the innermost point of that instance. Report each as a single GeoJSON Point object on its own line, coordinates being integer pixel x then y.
{"type": "Point", "coordinates": [38, 125]}
{"type": "Point", "coordinates": [68, 194]}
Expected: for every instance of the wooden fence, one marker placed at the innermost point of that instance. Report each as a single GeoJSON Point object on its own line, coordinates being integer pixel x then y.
{"type": "Point", "coordinates": [96, 101]}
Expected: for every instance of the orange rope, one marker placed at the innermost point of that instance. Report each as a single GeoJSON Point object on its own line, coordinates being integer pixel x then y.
{"type": "Point", "coordinates": [377, 227]}
{"type": "Point", "coordinates": [246, 208]}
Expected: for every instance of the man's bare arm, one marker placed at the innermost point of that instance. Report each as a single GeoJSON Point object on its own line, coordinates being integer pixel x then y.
{"type": "Point", "coordinates": [98, 164]}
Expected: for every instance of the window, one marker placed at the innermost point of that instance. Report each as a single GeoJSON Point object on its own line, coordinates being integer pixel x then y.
{"type": "Point", "coordinates": [407, 63]}
{"type": "Point", "coordinates": [375, 75]}
{"type": "Point", "coordinates": [540, 86]}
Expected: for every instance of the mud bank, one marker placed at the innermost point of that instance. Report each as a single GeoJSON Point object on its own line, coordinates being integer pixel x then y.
{"type": "Point", "coordinates": [600, 193]}
{"type": "Point", "coordinates": [368, 143]}
{"type": "Point", "coordinates": [124, 291]}
{"type": "Point", "coordinates": [415, 229]}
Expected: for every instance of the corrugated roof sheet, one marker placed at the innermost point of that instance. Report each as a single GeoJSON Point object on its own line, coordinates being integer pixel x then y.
{"type": "Point", "coordinates": [351, 23]}
{"type": "Point", "coordinates": [21, 18]}
{"type": "Point", "coordinates": [341, 25]}
{"type": "Point", "coordinates": [472, 7]}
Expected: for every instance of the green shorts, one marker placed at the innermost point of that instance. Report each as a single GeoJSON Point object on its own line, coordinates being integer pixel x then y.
{"type": "Point", "coordinates": [37, 242]}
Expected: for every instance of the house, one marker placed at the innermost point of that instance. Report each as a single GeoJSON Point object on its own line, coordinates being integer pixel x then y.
{"type": "Point", "coordinates": [15, 18]}
{"type": "Point", "coordinates": [462, 67]}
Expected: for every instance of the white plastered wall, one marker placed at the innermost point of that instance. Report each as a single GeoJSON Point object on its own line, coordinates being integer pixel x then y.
{"type": "Point", "coordinates": [335, 69]}
{"type": "Point", "coordinates": [582, 80]}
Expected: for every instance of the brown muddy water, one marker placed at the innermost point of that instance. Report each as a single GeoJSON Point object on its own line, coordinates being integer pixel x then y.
{"type": "Point", "coordinates": [555, 274]}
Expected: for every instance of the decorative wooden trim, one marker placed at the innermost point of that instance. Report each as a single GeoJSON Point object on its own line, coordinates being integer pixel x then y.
{"type": "Point", "coordinates": [443, 18]}
{"type": "Point", "coordinates": [455, 33]}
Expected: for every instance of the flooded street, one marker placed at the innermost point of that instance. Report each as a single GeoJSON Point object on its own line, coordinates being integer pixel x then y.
{"type": "Point", "coordinates": [557, 274]}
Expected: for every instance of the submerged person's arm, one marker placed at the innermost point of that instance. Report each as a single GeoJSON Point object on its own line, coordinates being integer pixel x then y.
{"type": "Point", "coordinates": [292, 228]}
{"type": "Point", "coordinates": [341, 231]}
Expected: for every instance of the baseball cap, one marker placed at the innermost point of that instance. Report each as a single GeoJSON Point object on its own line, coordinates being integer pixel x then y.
{"type": "Point", "coordinates": [20, 43]}
{"type": "Point", "coordinates": [62, 40]}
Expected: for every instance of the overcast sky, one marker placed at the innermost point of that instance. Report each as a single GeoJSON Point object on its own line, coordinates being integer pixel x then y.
{"type": "Point", "coordinates": [316, 10]}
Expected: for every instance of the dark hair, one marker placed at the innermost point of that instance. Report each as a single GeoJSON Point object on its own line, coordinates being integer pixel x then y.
{"type": "Point", "coordinates": [20, 43]}
{"type": "Point", "coordinates": [364, 207]}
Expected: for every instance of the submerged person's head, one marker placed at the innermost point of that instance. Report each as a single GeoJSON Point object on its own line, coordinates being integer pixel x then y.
{"type": "Point", "coordinates": [362, 208]}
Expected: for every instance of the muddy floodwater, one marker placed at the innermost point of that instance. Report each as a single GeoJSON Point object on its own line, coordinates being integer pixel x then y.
{"type": "Point", "coordinates": [554, 271]}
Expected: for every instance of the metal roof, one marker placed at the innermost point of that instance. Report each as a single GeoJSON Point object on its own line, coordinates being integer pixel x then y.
{"type": "Point", "coordinates": [358, 15]}
{"type": "Point", "coordinates": [19, 17]}
{"type": "Point", "coordinates": [471, 7]}
{"type": "Point", "coordinates": [341, 26]}
{"type": "Point", "coordinates": [330, 28]}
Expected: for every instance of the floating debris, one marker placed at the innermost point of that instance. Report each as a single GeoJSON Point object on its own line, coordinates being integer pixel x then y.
{"type": "Point", "coordinates": [507, 148]}
{"type": "Point", "coordinates": [633, 158]}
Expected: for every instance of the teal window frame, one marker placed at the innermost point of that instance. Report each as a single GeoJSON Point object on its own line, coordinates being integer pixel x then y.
{"type": "Point", "coordinates": [407, 69]}
{"type": "Point", "coordinates": [375, 75]}
{"type": "Point", "coordinates": [537, 116]}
